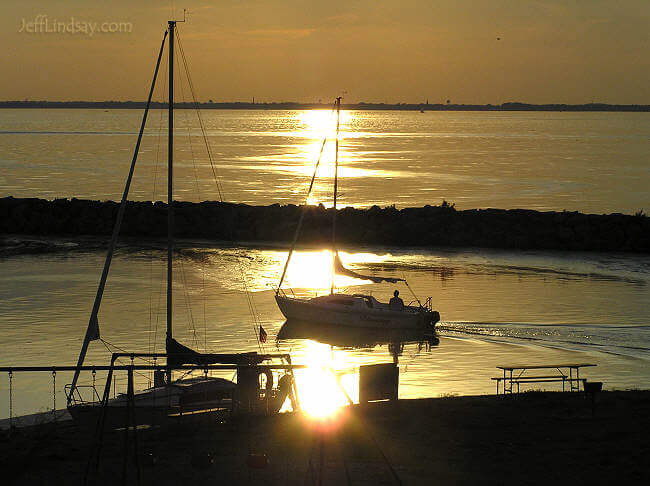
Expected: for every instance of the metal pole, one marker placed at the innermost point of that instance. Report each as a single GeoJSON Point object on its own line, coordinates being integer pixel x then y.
{"type": "Point", "coordinates": [127, 424]}
{"type": "Point", "coordinates": [149, 367]}
{"type": "Point", "coordinates": [336, 172]}
{"type": "Point", "coordinates": [170, 188]}
{"type": "Point", "coordinates": [54, 395]}
{"type": "Point", "coordinates": [11, 400]}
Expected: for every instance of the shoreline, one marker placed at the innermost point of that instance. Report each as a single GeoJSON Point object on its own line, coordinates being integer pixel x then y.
{"type": "Point", "coordinates": [425, 227]}
{"type": "Point", "coordinates": [361, 106]}
{"type": "Point", "coordinates": [529, 438]}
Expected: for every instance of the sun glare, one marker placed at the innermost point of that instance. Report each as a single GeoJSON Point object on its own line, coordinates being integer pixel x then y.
{"type": "Point", "coordinates": [313, 270]}
{"type": "Point", "coordinates": [322, 387]}
{"type": "Point", "coordinates": [320, 124]}
{"type": "Point", "coordinates": [300, 158]}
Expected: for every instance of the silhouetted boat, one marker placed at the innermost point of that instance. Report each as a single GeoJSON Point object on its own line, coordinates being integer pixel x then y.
{"type": "Point", "coordinates": [357, 310]}
{"type": "Point", "coordinates": [171, 397]}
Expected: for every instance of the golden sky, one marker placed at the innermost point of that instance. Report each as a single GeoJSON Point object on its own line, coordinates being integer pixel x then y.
{"type": "Point", "coordinates": [569, 51]}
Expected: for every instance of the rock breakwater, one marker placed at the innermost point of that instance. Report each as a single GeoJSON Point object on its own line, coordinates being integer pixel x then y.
{"type": "Point", "coordinates": [428, 226]}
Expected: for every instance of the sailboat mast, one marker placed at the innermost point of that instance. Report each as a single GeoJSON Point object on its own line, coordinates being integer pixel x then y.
{"type": "Point", "coordinates": [336, 171]}
{"type": "Point", "coordinates": [170, 187]}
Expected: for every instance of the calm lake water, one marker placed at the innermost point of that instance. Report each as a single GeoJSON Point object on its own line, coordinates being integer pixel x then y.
{"type": "Point", "coordinates": [497, 307]}
{"type": "Point", "coordinates": [589, 162]}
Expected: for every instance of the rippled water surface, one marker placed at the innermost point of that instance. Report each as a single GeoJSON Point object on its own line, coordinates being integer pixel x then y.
{"type": "Point", "coordinates": [589, 162]}
{"type": "Point", "coordinates": [497, 308]}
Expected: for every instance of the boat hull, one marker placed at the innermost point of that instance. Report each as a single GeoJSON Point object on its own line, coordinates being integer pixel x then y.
{"type": "Point", "coordinates": [182, 399]}
{"type": "Point", "coordinates": [155, 405]}
{"type": "Point", "coordinates": [321, 311]}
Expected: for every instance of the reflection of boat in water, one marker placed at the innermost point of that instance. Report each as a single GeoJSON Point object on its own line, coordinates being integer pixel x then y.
{"type": "Point", "coordinates": [351, 310]}
{"type": "Point", "coordinates": [355, 337]}
{"type": "Point", "coordinates": [254, 391]}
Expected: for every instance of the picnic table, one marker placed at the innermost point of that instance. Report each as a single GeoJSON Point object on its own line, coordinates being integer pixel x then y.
{"type": "Point", "coordinates": [547, 373]}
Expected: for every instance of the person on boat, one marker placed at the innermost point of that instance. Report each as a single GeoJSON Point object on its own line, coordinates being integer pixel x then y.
{"type": "Point", "coordinates": [396, 303]}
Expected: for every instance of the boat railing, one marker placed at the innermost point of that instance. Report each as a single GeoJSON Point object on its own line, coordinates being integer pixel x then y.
{"type": "Point", "coordinates": [428, 305]}
{"type": "Point", "coordinates": [88, 394]}
{"type": "Point", "coordinates": [76, 397]}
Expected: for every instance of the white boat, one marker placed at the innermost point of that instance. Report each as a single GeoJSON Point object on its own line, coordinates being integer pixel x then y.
{"type": "Point", "coordinates": [170, 397]}
{"type": "Point", "coordinates": [356, 310]}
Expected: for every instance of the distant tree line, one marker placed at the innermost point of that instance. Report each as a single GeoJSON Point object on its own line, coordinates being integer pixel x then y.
{"type": "Point", "coordinates": [291, 105]}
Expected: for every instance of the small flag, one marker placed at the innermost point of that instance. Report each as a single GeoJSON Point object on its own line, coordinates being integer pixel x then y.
{"type": "Point", "coordinates": [93, 329]}
{"type": "Point", "coordinates": [262, 335]}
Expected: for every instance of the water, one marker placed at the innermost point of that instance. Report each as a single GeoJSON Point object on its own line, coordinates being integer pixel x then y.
{"type": "Point", "coordinates": [589, 162]}
{"type": "Point", "coordinates": [497, 307]}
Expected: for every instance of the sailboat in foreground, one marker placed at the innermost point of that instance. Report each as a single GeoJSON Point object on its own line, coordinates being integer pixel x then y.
{"type": "Point", "coordinates": [351, 310]}
{"type": "Point", "coordinates": [170, 397]}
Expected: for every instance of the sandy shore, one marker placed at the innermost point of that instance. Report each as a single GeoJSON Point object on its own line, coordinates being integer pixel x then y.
{"type": "Point", "coordinates": [532, 438]}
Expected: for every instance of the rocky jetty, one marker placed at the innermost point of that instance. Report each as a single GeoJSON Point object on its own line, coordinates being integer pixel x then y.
{"type": "Point", "coordinates": [429, 226]}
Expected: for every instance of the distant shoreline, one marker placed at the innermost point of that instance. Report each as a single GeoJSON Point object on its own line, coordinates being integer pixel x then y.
{"type": "Point", "coordinates": [290, 105]}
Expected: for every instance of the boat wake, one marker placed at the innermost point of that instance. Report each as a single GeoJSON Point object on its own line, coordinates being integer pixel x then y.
{"type": "Point", "coordinates": [613, 339]}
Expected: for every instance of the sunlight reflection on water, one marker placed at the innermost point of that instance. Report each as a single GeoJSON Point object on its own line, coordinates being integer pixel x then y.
{"type": "Point", "coordinates": [546, 161]}
{"type": "Point", "coordinates": [497, 307]}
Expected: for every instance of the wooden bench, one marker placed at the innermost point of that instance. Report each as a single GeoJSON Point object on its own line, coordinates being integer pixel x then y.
{"type": "Point", "coordinates": [516, 376]}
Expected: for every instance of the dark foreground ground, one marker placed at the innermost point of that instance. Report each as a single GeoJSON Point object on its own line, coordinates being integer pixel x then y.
{"type": "Point", "coordinates": [533, 438]}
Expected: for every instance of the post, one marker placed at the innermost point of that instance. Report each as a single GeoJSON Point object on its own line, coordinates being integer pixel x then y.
{"type": "Point", "coordinates": [378, 382]}
{"type": "Point", "coordinates": [54, 395]}
{"type": "Point", "coordinates": [11, 400]}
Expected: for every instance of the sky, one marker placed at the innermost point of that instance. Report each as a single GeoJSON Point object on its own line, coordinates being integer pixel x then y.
{"type": "Point", "coordinates": [406, 51]}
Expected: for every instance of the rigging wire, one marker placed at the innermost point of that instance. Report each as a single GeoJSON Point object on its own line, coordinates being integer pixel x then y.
{"type": "Point", "coordinates": [250, 303]}
{"type": "Point", "coordinates": [411, 290]}
{"type": "Point", "coordinates": [304, 208]}
{"type": "Point", "coordinates": [198, 193]}
{"type": "Point", "coordinates": [107, 344]}
{"type": "Point", "coordinates": [153, 198]}
{"type": "Point", "coordinates": [160, 294]}
{"type": "Point", "coordinates": [189, 134]}
{"type": "Point", "coordinates": [188, 305]}
{"type": "Point", "coordinates": [186, 296]}
{"type": "Point", "coordinates": [201, 124]}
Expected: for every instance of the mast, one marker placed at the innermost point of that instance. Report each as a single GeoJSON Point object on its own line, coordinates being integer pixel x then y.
{"type": "Point", "coordinates": [336, 170]}
{"type": "Point", "coordinates": [170, 190]}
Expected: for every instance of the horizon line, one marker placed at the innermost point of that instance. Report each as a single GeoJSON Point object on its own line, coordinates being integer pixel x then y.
{"type": "Point", "coordinates": [507, 106]}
